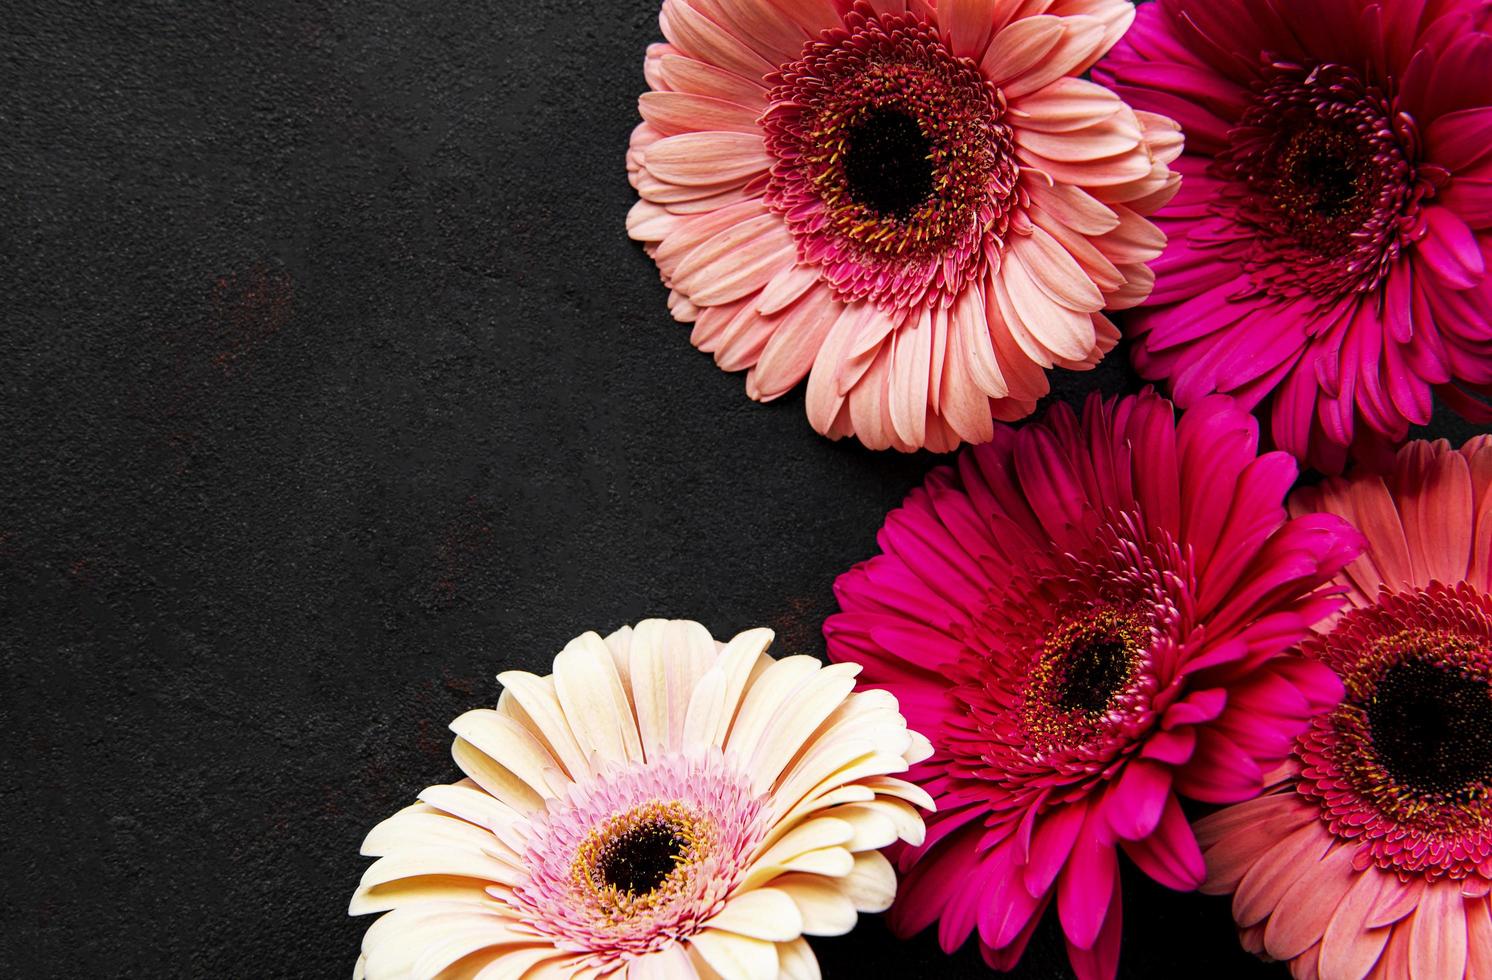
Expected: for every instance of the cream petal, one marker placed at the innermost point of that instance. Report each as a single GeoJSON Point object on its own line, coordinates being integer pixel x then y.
{"type": "Point", "coordinates": [536, 696]}
{"type": "Point", "coordinates": [471, 804]}
{"type": "Point", "coordinates": [763, 913]}
{"type": "Point", "coordinates": [463, 935]}
{"type": "Point", "coordinates": [824, 908]}
{"type": "Point", "coordinates": [872, 883]}
{"type": "Point", "coordinates": [741, 659]}
{"type": "Point", "coordinates": [765, 701]}
{"type": "Point", "coordinates": [797, 962]}
{"type": "Point", "coordinates": [811, 835]}
{"type": "Point", "coordinates": [668, 661]}
{"type": "Point", "coordinates": [706, 705]}
{"type": "Point", "coordinates": [418, 827]}
{"type": "Point", "coordinates": [496, 779]}
{"type": "Point", "coordinates": [795, 722]}
{"type": "Point", "coordinates": [509, 744]}
{"type": "Point", "coordinates": [418, 890]}
{"type": "Point", "coordinates": [590, 691]}
{"type": "Point", "coordinates": [736, 956]}
{"type": "Point", "coordinates": [436, 859]}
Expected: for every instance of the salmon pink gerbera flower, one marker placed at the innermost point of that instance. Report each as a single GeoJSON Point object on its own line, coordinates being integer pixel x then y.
{"type": "Point", "coordinates": [1373, 857]}
{"type": "Point", "coordinates": [1089, 619]}
{"type": "Point", "coordinates": [662, 806]}
{"type": "Point", "coordinates": [918, 207]}
{"type": "Point", "coordinates": [1331, 243]}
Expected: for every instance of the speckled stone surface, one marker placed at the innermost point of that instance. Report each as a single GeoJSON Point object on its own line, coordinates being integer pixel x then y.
{"type": "Point", "coordinates": [330, 385]}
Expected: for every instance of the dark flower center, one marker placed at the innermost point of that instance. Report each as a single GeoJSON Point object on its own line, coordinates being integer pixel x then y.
{"type": "Point", "coordinates": [1321, 173]}
{"type": "Point", "coordinates": [1431, 726]}
{"type": "Point", "coordinates": [1093, 669]}
{"type": "Point", "coordinates": [888, 162]}
{"type": "Point", "coordinates": [1082, 668]}
{"type": "Point", "coordinates": [641, 857]}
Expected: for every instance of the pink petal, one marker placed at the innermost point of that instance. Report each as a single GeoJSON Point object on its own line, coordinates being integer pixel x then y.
{"type": "Point", "coordinates": [707, 158]}
{"type": "Point", "coordinates": [1349, 948]}
{"type": "Point", "coordinates": [969, 24]}
{"type": "Point", "coordinates": [1020, 47]}
{"type": "Point", "coordinates": [790, 353]}
{"type": "Point", "coordinates": [1437, 934]}
{"type": "Point", "coordinates": [679, 112]}
{"type": "Point", "coordinates": [1082, 37]}
{"type": "Point", "coordinates": [1266, 883]}
{"type": "Point", "coordinates": [696, 35]}
{"type": "Point", "coordinates": [1301, 918]}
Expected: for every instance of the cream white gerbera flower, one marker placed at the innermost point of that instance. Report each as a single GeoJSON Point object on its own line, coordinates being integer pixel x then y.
{"type": "Point", "coordinates": [662, 805]}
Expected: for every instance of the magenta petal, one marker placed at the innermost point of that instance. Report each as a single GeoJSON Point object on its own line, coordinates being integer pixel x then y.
{"type": "Point", "coordinates": [1172, 747]}
{"type": "Point", "coordinates": [1085, 887]}
{"type": "Point", "coordinates": [1219, 771]}
{"type": "Point", "coordinates": [1055, 834]}
{"type": "Point", "coordinates": [1449, 249]}
{"type": "Point", "coordinates": [1101, 960]}
{"type": "Point", "coordinates": [1170, 855]}
{"type": "Point", "coordinates": [1133, 805]}
{"type": "Point", "coordinates": [1008, 909]}
{"type": "Point", "coordinates": [1196, 708]}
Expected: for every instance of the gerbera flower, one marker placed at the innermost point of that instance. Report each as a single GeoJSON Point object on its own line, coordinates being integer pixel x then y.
{"type": "Point", "coordinates": [1331, 240]}
{"type": "Point", "coordinates": [1374, 856]}
{"type": "Point", "coordinates": [920, 210]}
{"type": "Point", "coordinates": [1089, 619]}
{"type": "Point", "coordinates": [661, 806]}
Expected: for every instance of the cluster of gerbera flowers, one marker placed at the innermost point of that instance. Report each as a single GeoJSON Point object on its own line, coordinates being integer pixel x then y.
{"type": "Point", "coordinates": [1120, 635]}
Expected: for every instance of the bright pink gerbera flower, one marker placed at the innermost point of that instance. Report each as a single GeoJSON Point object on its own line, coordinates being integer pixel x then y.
{"type": "Point", "coordinates": [1089, 619]}
{"type": "Point", "coordinates": [1331, 241]}
{"type": "Point", "coordinates": [918, 209]}
{"type": "Point", "coordinates": [1374, 856]}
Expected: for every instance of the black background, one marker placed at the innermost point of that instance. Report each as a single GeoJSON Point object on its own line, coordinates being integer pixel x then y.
{"type": "Point", "coordinates": [331, 386]}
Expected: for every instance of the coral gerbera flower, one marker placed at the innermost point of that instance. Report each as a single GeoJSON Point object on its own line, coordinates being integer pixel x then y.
{"type": "Point", "coordinates": [1331, 242]}
{"type": "Point", "coordinates": [1089, 619]}
{"type": "Point", "coordinates": [1374, 856]}
{"type": "Point", "coordinates": [917, 209]}
{"type": "Point", "coordinates": [661, 806]}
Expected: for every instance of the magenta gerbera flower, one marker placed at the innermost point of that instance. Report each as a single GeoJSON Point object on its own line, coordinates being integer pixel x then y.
{"type": "Point", "coordinates": [1374, 856]}
{"type": "Point", "coordinates": [1089, 619]}
{"type": "Point", "coordinates": [920, 208]}
{"type": "Point", "coordinates": [1331, 242]}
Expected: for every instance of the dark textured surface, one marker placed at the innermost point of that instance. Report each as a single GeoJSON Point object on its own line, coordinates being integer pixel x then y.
{"type": "Point", "coordinates": [332, 386]}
